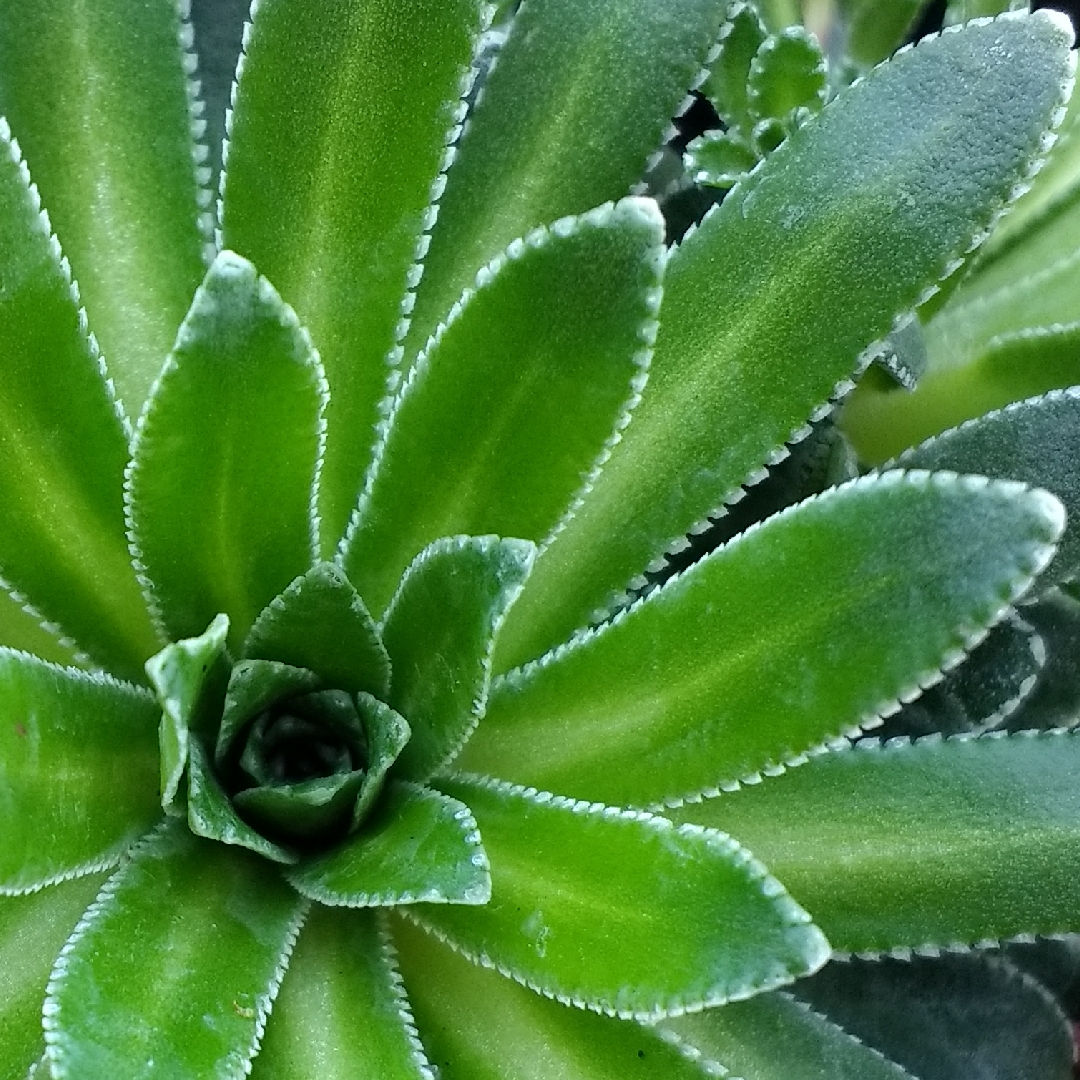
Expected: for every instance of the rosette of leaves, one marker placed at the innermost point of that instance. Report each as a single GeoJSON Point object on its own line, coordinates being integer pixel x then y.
{"type": "Point", "coordinates": [329, 744]}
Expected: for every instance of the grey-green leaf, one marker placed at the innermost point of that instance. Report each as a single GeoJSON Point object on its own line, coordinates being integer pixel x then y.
{"type": "Point", "coordinates": [581, 95]}
{"type": "Point", "coordinates": [620, 911]}
{"type": "Point", "coordinates": [1055, 699]}
{"type": "Point", "coordinates": [220, 926]}
{"type": "Point", "coordinates": [62, 543]}
{"type": "Point", "coordinates": [440, 632]}
{"type": "Point", "coordinates": [342, 1013]}
{"type": "Point", "coordinates": [804, 628]}
{"type": "Point", "coordinates": [509, 412]}
{"type": "Point", "coordinates": [78, 770]}
{"type": "Point", "coordinates": [337, 150]}
{"type": "Point", "coordinates": [948, 1018]}
{"type": "Point", "coordinates": [320, 623]}
{"type": "Point", "coordinates": [417, 847]}
{"type": "Point", "coordinates": [776, 1037]}
{"type": "Point", "coordinates": [480, 1025]}
{"type": "Point", "coordinates": [220, 489]}
{"type": "Point", "coordinates": [942, 842]}
{"type": "Point", "coordinates": [83, 86]}
{"type": "Point", "coordinates": [840, 232]}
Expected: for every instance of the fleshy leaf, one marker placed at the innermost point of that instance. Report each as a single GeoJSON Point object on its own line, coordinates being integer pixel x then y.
{"type": "Point", "coordinates": [189, 678]}
{"type": "Point", "coordinates": [942, 842]}
{"type": "Point", "coordinates": [726, 87]}
{"type": "Point", "coordinates": [33, 929]}
{"type": "Point", "coordinates": [560, 128]}
{"type": "Point", "coordinates": [786, 74]}
{"type": "Point", "coordinates": [210, 812]}
{"type": "Point", "coordinates": [22, 629]}
{"type": "Point", "coordinates": [219, 926]}
{"type": "Point", "coordinates": [718, 159]}
{"type": "Point", "coordinates": [220, 488]}
{"type": "Point", "coordinates": [62, 542]}
{"type": "Point", "coordinates": [775, 1037]}
{"type": "Point", "coordinates": [479, 1025]}
{"type": "Point", "coordinates": [417, 847]}
{"type": "Point", "coordinates": [621, 911]}
{"type": "Point", "coordinates": [335, 155]}
{"type": "Point", "coordinates": [1033, 441]}
{"type": "Point", "coordinates": [948, 1017]}
{"type": "Point", "coordinates": [388, 733]}
{"type": "Point", "coordinates": [440, 630]}
{"type": "Point", "coordinates": [78, 770]}
{"type": "Point", "coordinates": [807, 280]}
{"type": "Point", "coordinates": [320, 623]}
{"type": "Point", "coordinates": [517, 398]}
{"type": "Point", "coordinates": [802, 629]}
{"type": "Point", "coordinates": [874, 28]}
{"type": "Point", "coordinates": [82, 86]}
{"type": "Point", "coordinates": [1055, 699]}
{"type": "Point", "coordinates": [342, 1013]}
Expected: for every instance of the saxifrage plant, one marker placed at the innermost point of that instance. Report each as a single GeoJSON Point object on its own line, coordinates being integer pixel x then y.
{"type": "Point", "coordinates": [322, 771]}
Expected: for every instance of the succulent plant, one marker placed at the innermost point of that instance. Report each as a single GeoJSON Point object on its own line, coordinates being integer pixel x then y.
{"type": "Point", "coordinates": [377, 697]}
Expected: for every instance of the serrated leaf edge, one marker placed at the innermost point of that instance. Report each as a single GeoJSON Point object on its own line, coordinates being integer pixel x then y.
{"type": "Point", "coordinates": [787, 910]}
{"type": "Point", "coordinates": [970, 636]}
{"type": "Point", "coordinates": [770, 45]}
{"type": "Point", "coordinates": [606, 215]}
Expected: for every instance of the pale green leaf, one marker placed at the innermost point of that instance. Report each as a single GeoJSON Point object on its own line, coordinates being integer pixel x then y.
{"type": "Point", "coordinates": [342, 1013]}
{"type": "Point", "coordinates": [78, 770]}
{"type": "Point", "coordinates": [959, 11]}
{"type": "Point", "coordinates": [479, 1025]}
{"type": "Point", "coordinates": [948, 1018]}
{"type": "Point", "coordinates": [581, 95]}
{"type": "Point", "coordinates": [803, 629]}
{"type": "Point", "coordinates": [1033, 441]}
{"type": "Point", "coordinates": [619, 910]}
{"type": "Point", "coordinates": [775, 1037]}
{"type": "Point", "coordinates": [786, 74]}
{"type": "Point", "coordinates": [83, 85]}
{"type": "Point", "coordinates": [941, 842]}
{"type": "Point", "coordinates": [718, 159]}
{"type": "Point", "coordinates": [440, 631]}
{"type": "Point", "coordinates": [876, 27]}
{"type": "Point", "coordinates": [190, 679]}
{"type": "Point", "coordinates": [173, 970]}
{"type": "Point", "coordinates": [509, 411]}
{"type": "Point", "coordinates": [838, 234]}
{"type": "Point", "coordinates": [338, 143]}
{"type": "Point", "coordinates": [220, 487]}
{"type": "Point", "coordinates": [21, 629]}
{"type": "Point", "coordinates": [726, 87]}
{"type": "Point", "coordinates": [417, 847]}
{"type": "Point", "coordinates": [320, 623]}
{"type": "Point", "coordinates": [33, 929]}
{"type": "Point", "coordinates": [62, 543]}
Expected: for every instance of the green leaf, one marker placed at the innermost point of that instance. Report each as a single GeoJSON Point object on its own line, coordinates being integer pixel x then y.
{"type": "Point", "coordinates": [726, 87]}
{"type": "Point", "coordinates": [959, 11]}
{"type": "Point", "coordinates": [218, 926]}
{"type": "Point", "coordinates": [62, 544]}
{"type": "Point", "coordinates": [561, 126]}
{"type": "Point", "coordinates": [718, 159]}
{"type": "Point", "coordinates": [219, 490]}
{"type": "Point", "coordinates": [1032, 441]}
{"type": "Point", "coordinates": [514, 405]}
{"type": "Point", "coordinates": [23, 629]}
{"type": "Point", "coordinates": [83, 85]}
{"type": "Point", "coordinates": [1055, 699]}
{"type": "Point", "coordinates": [805, 628]}
{"type": "Point", "coordinates": [948, 1018]}
{"type": "Point", "coordinates": [78, 769]}
{"type": "Point", "coordinates": [620, 911]}
{"type": "Point", "coordinates": [941, 842]}
{"type": "Point", "coordinates": [342, 1013]}
{"type": "Point", "coordinates": [210, 813]}
{"type": "Point", "coordinates": [806, 264]}
{"type": "Point", "coordinates": [479, 1025]}
{"type": "Point", "coordinates": [417, 847]}
{"type": "Point", "coordinates": [388, 733]}
{"type": "Point", "coordinates": [190, 679]}
{"type": "Point", "coordinates": [33, 929]}
{"type": "Point", "coordinates": [440, 631]}
{"type": "Point", "coordinates": [786, 74]}
{"type": "Point", "coordinates": [775, 1037]}
{"type": "Point", "coordinates": [876, 27]}
{"type": "Point", "coordinates": [320, 623]}
{"type": "Point", "coordinates": [336, 156]}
